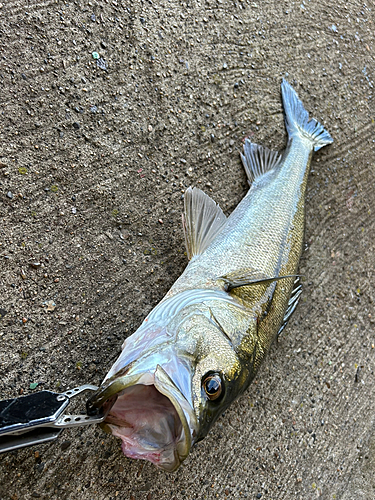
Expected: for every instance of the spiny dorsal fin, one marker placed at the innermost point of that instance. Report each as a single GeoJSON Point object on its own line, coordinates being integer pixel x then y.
{"type": "Point", "coordinates": [258, 160]}
{"type": "Point", "coordinates": [246, 277]}
{"type": "Point", "coordinates": [202, 221]}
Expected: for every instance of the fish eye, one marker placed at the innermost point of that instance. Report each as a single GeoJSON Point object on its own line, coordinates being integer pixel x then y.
{"type": "Point", "coordinates": [213, 386]}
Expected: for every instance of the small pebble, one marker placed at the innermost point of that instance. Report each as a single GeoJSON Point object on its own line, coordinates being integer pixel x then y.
{"type": "Point", "coordinates": [40, 468]}
{"type": "Point", "coordinates": [95, 55]}
{"type": "Point", "coordinates": [10, 195]}
{"type": "Point", "coordinates": [65, 445]}
{"type": "Point", "coordinates": [101, 63]}
{"type": "Point", "coordinates": [50, 305]}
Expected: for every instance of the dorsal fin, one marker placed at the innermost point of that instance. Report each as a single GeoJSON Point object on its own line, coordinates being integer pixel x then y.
{"type": "Point", "coordinates": [258, 160]}
{"type": "Point", "coordinates": [202, 221]}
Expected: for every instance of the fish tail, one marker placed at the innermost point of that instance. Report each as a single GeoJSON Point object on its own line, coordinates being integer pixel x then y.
{"type": "Point", "coordinates": [297, 119]}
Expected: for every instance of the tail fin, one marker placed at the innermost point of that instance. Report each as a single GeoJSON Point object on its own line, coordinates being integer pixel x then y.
{"type": "Point", "coordinates": [297, 119]}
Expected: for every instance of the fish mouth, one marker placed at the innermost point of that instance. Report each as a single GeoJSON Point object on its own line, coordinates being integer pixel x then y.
{"type": "Point", "coordinates": [151, 417]}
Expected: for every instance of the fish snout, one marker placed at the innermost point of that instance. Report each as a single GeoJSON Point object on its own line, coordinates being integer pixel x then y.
{"type": "Point", "coordinates": [152, 414]}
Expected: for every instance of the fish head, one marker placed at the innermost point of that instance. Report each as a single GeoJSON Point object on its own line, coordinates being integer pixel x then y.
{"type": "Point", "coordinates": [171, 382]}
{"type": "Point", "coordinates": [221, 372]}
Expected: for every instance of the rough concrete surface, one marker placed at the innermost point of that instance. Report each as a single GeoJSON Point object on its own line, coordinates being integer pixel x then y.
{"type": "Point", "coordinates": [95, 155]}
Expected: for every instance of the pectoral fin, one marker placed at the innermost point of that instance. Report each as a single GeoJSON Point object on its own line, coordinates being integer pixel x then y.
{"type": "Point", "coordinates": [249, 277]}
{"type": "Point", "coordinates": [202, 221]}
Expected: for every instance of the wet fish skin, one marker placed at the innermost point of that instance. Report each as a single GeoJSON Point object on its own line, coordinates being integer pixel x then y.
{"type": "Point", "coordinates": [221, 316]}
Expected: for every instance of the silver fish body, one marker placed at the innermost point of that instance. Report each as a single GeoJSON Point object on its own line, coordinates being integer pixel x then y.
{"type": "Point", "coordinates": [203, 343]}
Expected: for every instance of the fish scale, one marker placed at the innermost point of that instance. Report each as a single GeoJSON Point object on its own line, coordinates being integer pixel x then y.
{"type": "Point", "coordinates": [262, 221]}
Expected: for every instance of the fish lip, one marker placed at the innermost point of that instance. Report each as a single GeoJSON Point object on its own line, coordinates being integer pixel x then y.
{"type": "Point", "coordinates": [107, 395]}
{"type": "Point", "coordinates": [108, 391]}
{"type": "Point", "coordinates": [183, 408]}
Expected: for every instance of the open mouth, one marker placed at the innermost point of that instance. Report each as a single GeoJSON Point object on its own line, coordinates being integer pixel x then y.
{"type": "Point", "coordinates": [148, 425]}
{"type": "Point", "coordinates": [152, 418]}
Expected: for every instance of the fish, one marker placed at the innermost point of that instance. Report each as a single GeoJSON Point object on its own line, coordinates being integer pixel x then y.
{"type": "Point", "coordinates": [201, 346]}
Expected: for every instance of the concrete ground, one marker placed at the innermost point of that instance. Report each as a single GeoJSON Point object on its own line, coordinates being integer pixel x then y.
{"type": "Point", "coordinates": [94, 157]}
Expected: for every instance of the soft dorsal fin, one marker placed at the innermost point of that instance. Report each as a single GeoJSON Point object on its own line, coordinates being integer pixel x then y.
{"type": "Point", "coordinates": [258, 160]}
{"type": "Point", "coordinates": [246, 277]}
{"type": "Point", "coordinates": [202, 221]}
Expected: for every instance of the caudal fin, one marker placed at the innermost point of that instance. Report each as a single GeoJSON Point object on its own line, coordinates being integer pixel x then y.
{"type": "Point", "coordinates": [297, 119]}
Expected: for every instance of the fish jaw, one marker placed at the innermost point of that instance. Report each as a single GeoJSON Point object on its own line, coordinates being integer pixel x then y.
{"type": "Point", "coordinates": [151, 416]}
